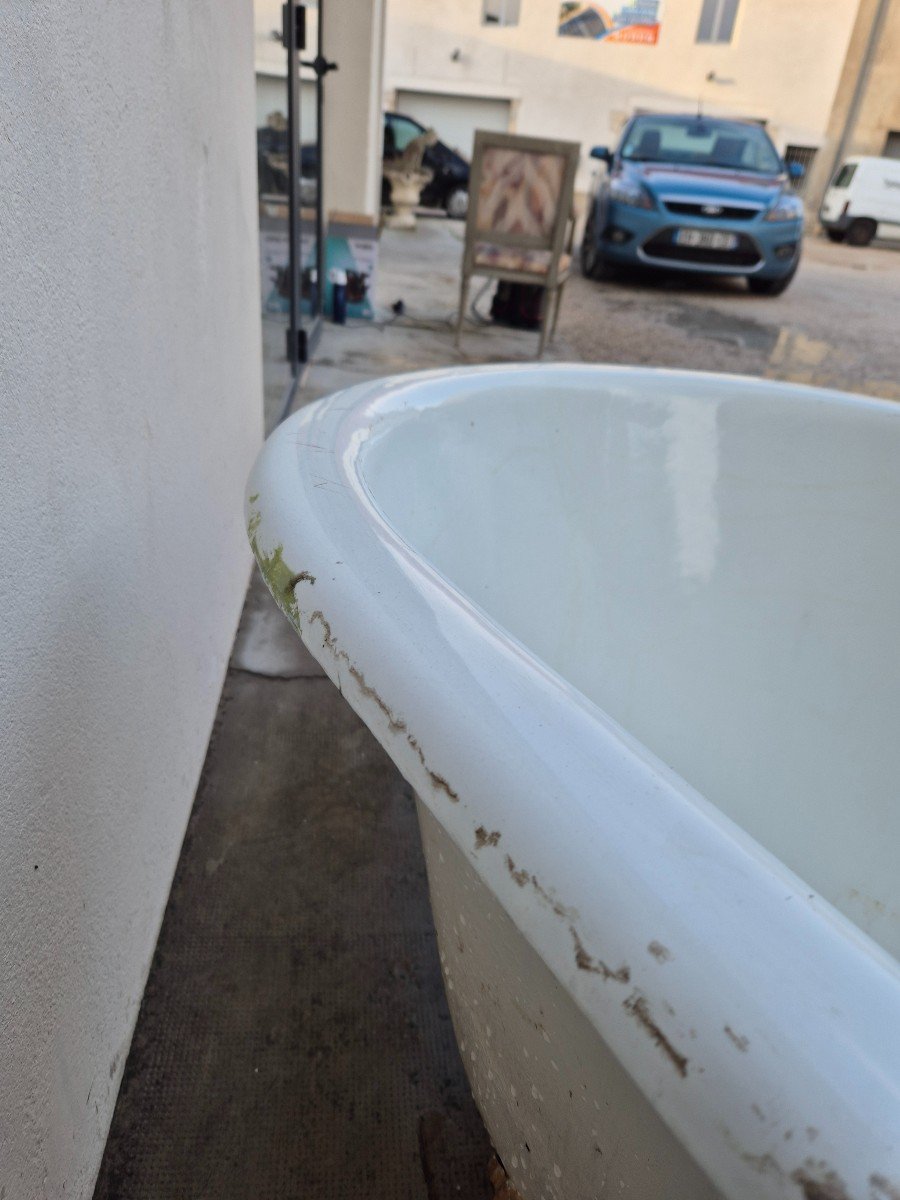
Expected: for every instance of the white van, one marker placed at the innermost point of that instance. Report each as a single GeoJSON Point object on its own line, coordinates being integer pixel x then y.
{"type": "Point", "coordinates": [863, 199]}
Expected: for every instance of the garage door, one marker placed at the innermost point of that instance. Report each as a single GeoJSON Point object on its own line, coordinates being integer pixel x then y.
{"type": "Point", "coordinates": [455, 118]}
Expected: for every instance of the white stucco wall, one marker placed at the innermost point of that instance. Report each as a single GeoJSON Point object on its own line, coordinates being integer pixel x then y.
{"type": "Point", "coordinates": [353, 37]}
{"type": "Point", "coordinates": [131, 409]}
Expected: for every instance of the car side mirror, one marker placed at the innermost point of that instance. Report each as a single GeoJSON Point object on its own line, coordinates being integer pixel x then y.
{"type": "Point", "coordinates": [796, 170]}
{"type": "Point", "coordinates": [603, 153]}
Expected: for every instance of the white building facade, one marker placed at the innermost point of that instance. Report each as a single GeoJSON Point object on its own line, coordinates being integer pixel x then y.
{"type": "Point", "coordinates": [579, 71]}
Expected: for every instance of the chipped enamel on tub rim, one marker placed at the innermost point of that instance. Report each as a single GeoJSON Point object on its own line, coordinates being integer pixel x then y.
{"type": "Point", "coordinates": [641, 897]}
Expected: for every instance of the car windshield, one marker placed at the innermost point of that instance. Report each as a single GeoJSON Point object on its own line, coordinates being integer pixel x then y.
{"type": "Point", "coordinates": [700, 142]}
{"type": "Point", "coordinates": [399, 132]}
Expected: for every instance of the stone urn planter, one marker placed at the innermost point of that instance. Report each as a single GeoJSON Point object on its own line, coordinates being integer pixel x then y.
{"type": "Point", "coordinates": [407, 177]}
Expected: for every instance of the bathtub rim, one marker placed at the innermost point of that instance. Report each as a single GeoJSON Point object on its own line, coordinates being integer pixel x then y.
{"type": "Point", "coordinates": [314, 463]}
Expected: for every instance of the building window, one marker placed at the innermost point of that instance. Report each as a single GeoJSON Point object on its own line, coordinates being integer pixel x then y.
{"type": "Point", "coordinates": [500, 12]}
{"type": "Point", "coordinates": [803, 155]}
{"type": "Point", "coordinates": [892, 144]}
{"type": "Point", "coordinates": [717, 19]}
{"type": "Point", "coordinates": [576, 21]}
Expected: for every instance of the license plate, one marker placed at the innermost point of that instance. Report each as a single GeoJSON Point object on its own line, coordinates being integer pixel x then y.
{"type": "Point", "coordinates": [706, 239]}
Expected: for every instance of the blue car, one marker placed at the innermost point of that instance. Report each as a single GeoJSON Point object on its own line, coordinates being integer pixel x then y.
{"type": "Point", "coordinates": [695, 193]}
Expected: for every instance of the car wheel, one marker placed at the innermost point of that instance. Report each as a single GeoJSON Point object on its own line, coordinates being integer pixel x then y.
{"type": "Point", "coordinates": [593, 264]}
{"type": "Point", "coordinates": [861, 231]}
{"type": "Point", "coordinates": [835, 235]}
{"type": "Point", "coordinates": [457, 203]}
{"type": "Point", "coordinates": [771, 287]}
{"type": "Point", "coordinates": [385, 193]}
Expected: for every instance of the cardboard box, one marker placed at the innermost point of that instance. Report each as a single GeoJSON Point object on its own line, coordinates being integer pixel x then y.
{"type": "Point", "coordinates": [351, 242]}
{"type": "Point", "coordinates": [274, 247]}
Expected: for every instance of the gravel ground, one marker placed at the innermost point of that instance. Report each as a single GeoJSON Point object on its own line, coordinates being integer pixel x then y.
{"type": "Point", "coordinates": [838, 325]}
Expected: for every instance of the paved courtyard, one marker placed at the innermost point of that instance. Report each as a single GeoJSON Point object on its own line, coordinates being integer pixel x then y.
{"type": "Point", "coordinates": [836, 326]}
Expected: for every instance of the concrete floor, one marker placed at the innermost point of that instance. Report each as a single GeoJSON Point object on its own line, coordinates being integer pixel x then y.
{"type": "Point", "coordinates": [294, 1040]}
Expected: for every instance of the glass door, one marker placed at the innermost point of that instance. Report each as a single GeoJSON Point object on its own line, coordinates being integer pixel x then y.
{"type": "Point", "coordinates": [306, 69]}
{"type": "Point", "coordinates": [292, 226]}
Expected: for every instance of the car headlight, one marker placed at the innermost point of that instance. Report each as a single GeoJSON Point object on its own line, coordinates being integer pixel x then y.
{"type": "Point", "coordinates": [786, 208]}
{"type": "Point", "coordinates": [624, 192]}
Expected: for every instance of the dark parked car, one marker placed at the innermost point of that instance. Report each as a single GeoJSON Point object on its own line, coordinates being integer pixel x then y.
{"type": "Point", "coordinates": [448, 189]}
{"type": "Point", "coordinates": [271, 160]}
{"type": "Point", "coordinates": [692, 193]}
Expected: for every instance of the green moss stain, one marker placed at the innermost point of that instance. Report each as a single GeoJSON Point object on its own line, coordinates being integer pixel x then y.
{"type": "Point", "coordinates": [280, 578]}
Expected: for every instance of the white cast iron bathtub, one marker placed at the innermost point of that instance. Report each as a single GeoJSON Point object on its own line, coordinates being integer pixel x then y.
{"type": "Point", "coordinates": [632, 637]}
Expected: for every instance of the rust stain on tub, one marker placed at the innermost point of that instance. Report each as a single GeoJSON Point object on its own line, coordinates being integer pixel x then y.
{"type": "Point", "coordinates": [585, 962]}
{"type": "Point", "coordinates": [437, 781]}
{"type": "Point", "coordinates": [738, 1039]}
{"type": "Point", "coordinates": [301, 577]}
{"type": "Point", "coordinates": [638, 1008]}
{"type": "Point", "coordinates": [521, 877]}
{"type": "Point", "coordinates": [568, 914]}
{"type": "Point", "coordinates": [483, 838]}
{"type": "Point", "coordinates": [396, 724]}
{"type": "Point", "coordinates": [442, 785]}
{"type": "Point", "coordinates": [328, 639]}
{"type": "Point", "coordinates": [883, 1187]}
{"type": "Point", "coordinates": [764, 1164]}
{"type": "Point", "coordinates": [818, 1182]}
{"type": "Point", "coordinates": [660, 952]}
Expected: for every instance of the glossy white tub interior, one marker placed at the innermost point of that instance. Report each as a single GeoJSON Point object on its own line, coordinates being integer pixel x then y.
{"type": "Point", "coordinates": [633, 638]}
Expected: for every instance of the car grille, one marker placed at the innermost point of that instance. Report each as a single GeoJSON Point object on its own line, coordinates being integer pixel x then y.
{"type": "Point", "coordinates": [726, 212]}
{"type": "Point", "coordinates": [662, 246]}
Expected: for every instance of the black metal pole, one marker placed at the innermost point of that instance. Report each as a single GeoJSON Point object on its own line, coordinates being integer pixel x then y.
{"type": "Point", "coordinates": [320, 146]}
{"type": "Point", "coordinates": [294, 244]}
